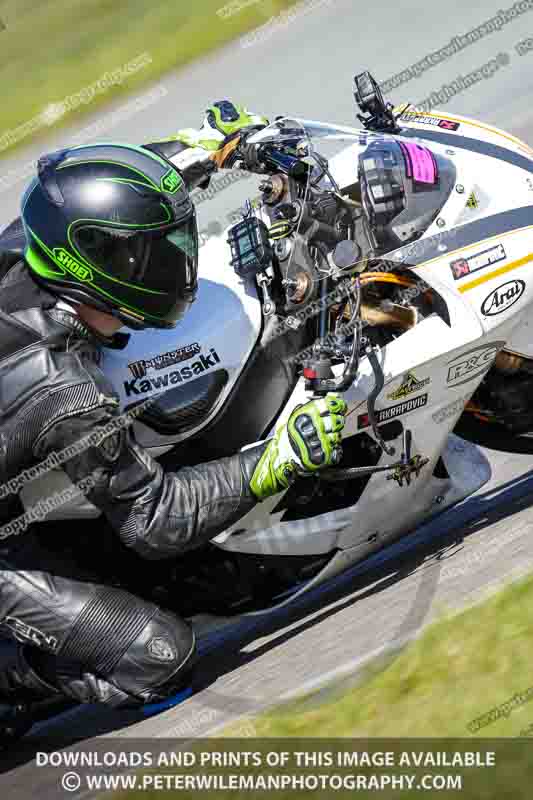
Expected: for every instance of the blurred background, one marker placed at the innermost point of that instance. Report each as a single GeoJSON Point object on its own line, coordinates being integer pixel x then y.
{"type": "Point", "coordinates": [128, 70]}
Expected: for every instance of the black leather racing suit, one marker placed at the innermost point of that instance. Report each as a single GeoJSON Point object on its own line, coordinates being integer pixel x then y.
{"type": "Point", "coordinates": [91, 642]}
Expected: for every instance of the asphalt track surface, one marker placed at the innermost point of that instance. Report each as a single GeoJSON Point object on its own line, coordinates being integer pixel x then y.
{"type": "Point", "coordinates": [305, 68]}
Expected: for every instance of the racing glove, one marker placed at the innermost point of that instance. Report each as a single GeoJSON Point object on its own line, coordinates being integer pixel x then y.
{"type": "Point", "coordinates": [223, 126]}
{"type": "Point", "coordinates": [198, 153]}
{"type": "Point", "coordinates": [308, 442]}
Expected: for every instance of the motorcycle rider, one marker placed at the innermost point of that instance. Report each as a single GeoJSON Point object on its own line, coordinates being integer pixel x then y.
{"type": "Point", "coordinates": [111, 240]}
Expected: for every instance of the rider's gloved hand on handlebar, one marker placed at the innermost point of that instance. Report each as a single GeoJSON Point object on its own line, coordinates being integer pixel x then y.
{"type": "Point", "coordinates": [309, 441]}
{"type": "Point", "coordinates": [222, 129]}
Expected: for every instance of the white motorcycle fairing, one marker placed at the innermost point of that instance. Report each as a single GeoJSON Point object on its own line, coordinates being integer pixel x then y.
{"type": "Point", "coordinates": [222, 328]}
{"type": "Point", "coordinates": [449, 359]}
{"type": "Point", "coordinates": [477, 255]}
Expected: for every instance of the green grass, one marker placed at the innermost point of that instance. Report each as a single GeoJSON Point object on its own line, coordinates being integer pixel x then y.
{"type": "Point", "coordinates": [54, 49]}
{"type": "Point", "coordinates": [461, 667]}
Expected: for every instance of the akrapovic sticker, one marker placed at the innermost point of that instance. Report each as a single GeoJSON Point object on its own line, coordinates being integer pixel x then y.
{"type": "Point", "coordinates": [465, 266]}
{"type": "Point", "coordinates": [392, 412]}
{"type": "Point", "coordinates": [446, 124]}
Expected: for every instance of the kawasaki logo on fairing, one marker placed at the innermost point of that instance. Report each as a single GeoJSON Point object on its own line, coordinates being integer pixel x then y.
{"type": "Point", "coordinates": [65, 260]}
{"type": "Point", "coordinates": [204, 363]}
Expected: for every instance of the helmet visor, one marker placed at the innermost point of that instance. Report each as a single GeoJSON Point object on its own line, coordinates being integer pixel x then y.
{"type": "Point", "coordinates": [151, 273]}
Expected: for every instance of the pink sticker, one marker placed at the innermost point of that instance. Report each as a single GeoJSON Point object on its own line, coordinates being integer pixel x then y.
{"type": "Point", "coordinates": [419, 162]}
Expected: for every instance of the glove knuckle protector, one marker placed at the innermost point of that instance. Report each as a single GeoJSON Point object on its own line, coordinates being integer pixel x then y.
{"type": "Point", "coordinates": [308, 442]}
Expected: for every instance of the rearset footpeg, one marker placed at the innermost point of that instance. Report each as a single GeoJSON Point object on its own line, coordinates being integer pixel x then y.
{"type": "Point", "coordinates": [404, 471]}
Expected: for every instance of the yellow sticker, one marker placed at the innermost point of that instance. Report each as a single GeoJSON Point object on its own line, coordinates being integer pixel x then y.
{"type": "Point", "coordinates": [472, 201]}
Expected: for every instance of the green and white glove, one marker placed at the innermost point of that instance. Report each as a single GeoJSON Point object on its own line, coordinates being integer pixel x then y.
{"type": "Point", "coordinates": [309, 441]}
{"type": "Point", "coordinates": [228, 118]}
{"type": "Point", "coordinates": [222, 121]}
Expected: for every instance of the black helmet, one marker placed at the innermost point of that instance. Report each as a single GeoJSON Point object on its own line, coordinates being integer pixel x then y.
{"type": "Point", "coordinates": [113, 226]}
